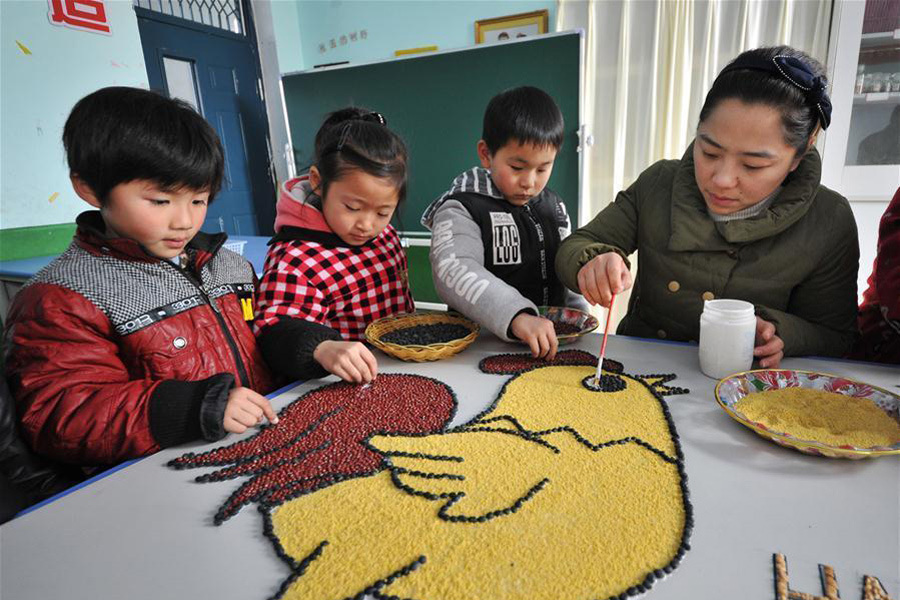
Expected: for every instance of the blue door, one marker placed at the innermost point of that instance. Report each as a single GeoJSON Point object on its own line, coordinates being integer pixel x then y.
{"type": "Point", "coordinates": [217, 70]}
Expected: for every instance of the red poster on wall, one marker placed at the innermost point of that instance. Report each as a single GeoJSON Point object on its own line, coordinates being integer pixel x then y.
{"type": "Point", "coordinates": [88, 15]}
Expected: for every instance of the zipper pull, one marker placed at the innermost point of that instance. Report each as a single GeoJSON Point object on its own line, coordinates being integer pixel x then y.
{"type": "Point", "coordinates": [213, 305]}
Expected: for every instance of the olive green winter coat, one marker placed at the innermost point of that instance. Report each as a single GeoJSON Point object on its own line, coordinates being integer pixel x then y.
{"type": "Point", "coordinates": [796, 262]}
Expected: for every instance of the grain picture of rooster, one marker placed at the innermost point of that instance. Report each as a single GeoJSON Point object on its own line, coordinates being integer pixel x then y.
{"type": "Point", "coordinates": [554, 491]}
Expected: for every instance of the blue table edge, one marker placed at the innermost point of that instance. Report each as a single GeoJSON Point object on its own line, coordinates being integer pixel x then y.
{"type": "Point", "coordinates": [118, 467]}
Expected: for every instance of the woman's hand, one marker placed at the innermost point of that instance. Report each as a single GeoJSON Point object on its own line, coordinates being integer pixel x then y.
{"type": "Point", "coordinates": [602, 277]}
{"type": "Point", "coordinates": [351, 361]}
{"type": "Point", "coordinates": [245, 408]}
{"type": "Point", "coordinates": [538, 333]}
{"type": "Point", "coordinates": [769, 347]}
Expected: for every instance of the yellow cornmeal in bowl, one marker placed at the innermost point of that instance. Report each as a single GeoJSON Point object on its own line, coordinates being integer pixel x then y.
{"type": "Point", "coordinates": [826, 417]}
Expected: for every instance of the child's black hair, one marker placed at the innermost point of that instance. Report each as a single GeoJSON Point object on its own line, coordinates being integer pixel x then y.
{"type": "Point", "coordinates": [752, 85]}
{"type": "Point", "coordinates": [356, 138]}
{"type": "Point", "coordinates": [525, 114]}
{"type": "Point", "coordinates": [121, 134]}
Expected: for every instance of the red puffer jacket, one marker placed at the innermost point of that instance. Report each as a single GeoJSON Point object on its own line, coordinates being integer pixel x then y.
{"type": "Point", "coordinates": [112, 354]}
{"type": "Point", "coordinates": [879, 313]}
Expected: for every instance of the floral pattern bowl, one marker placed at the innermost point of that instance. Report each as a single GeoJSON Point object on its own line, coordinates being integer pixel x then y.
{"type": "Point", "coordinates": [734, 387]}
{"type": "Point", "coordinates": [578, 321]}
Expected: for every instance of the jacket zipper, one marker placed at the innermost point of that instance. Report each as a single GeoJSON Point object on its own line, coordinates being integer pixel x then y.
{"type": "Point", "coordinates": [542, 240]}
{"type": "Point", "coordinates": [242, 371]}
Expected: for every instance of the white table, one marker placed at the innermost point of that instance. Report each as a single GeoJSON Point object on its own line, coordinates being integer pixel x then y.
{"type": "Point", "coordinates": [146, 531]}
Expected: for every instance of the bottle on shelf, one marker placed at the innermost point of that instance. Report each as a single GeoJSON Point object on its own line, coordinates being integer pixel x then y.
{"type": "Point", "coordinates": [868, 83]}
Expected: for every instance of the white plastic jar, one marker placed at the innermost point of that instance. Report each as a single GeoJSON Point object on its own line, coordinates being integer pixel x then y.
{"type": "Point", "coordinates": [727, 333]}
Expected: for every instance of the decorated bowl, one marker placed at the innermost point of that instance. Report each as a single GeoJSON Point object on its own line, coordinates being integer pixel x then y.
{"type": "Point", "coordinates": [569, 323]}
{"type": "Point", "coordinates": [733, 388]}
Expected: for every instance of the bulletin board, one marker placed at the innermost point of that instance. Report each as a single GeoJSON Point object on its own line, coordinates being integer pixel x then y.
{"type": "Point", "coordinates": [436, 103]}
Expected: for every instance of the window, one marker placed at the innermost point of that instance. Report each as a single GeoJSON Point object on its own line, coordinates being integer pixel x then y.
{"type": "Point", "coordinates": [224, 14]}
{"type": "Point", "coordinates": [180, 80]}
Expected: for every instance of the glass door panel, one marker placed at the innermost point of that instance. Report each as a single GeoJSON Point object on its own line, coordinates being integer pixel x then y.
{"type": "Point", "coordinates": [874, 136]}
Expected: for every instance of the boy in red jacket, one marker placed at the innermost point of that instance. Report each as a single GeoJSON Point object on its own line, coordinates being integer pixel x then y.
{"type": "Point", "coordinates": [134, 339]}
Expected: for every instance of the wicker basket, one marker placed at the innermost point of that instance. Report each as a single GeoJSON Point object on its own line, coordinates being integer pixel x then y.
{"type": "Point", "coordinates": [416, 352]}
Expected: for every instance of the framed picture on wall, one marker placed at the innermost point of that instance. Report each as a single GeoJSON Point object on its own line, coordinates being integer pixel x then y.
{"type": "Point", "coordinates": [511, 27]}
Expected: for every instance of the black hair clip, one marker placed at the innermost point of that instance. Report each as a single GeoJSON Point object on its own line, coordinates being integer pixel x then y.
{"type": "Point", "coordinates": [797, 73]}
{"type": "Point", "coordinates": [345, 133]}
{"type": "Point", "coordinates": [372, 117]}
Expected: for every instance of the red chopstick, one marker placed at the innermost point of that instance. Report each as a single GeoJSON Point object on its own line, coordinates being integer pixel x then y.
{"type": "Point", "coordinates": [605, 334]}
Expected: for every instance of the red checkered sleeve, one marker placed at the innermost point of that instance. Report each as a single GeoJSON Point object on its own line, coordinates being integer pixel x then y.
{"type": "Point", "coordinates": [288, 288]}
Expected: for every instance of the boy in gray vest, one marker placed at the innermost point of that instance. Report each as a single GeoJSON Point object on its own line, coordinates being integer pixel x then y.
{"type": "Point", "coordinates": [496, 231]}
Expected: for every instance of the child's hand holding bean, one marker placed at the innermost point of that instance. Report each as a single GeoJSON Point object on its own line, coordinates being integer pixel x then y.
{"type": "Point", "coordinates": [351, 361]}
{"type": "Point", "coordinates": [246, 408]}
{"type": "Point", "coordinates": [538, 333]}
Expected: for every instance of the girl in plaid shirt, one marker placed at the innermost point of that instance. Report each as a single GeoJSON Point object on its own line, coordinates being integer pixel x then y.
{"type": "Point", "coordinates": [335, 263]}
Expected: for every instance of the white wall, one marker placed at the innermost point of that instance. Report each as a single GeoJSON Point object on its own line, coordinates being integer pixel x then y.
{"type": "Point", "coordinates": [40, 88]}
{"type": "Point", "coordinates": [285, 24]}
{"type": "Point", "coordinates": [382, 26]}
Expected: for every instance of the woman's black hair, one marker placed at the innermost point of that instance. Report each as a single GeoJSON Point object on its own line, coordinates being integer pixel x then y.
{"type": "Point", "coordinates": [782, 77]}
{"type": "Point", "coordinates": [121, 134]}
{"type": "Point", "coordinates": [356, 138]}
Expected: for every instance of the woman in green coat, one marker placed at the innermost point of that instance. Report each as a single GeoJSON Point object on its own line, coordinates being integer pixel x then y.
{"type": "Point", "coordinates": [741, 215]}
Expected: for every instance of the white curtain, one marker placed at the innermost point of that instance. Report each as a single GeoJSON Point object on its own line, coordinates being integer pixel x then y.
{"type": "Point", "coordinates": [648, 66]}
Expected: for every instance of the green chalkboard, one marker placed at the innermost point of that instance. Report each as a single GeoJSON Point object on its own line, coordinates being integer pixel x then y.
{"type": "Point", "coordinates": [436, 103]}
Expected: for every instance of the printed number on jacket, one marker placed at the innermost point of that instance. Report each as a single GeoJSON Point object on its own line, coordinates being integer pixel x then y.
{"type": "Point", "coordinates": [506, 243]}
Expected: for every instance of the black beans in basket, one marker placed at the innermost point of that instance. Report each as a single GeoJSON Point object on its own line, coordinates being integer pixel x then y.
{"type": "Point", "coordinates": [423, 335]}
{"type": "Point", "coordinates": [565, 328]}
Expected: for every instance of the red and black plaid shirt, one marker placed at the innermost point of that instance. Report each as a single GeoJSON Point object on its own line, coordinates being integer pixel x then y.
{"type": "Point", "coordinates": [343, 287]}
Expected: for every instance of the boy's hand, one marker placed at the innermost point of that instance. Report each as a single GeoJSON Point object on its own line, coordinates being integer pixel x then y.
{"type": "Point", "coordinates": [351, 361]}
{"type": "Point", "coordinates": [769, 347]}
{"type": "Point", "coordinates": [538, 333]}
{"type": "Point", "coordinates": [602, 277]}
{"type": "Point", "coordinates": [246, 408]}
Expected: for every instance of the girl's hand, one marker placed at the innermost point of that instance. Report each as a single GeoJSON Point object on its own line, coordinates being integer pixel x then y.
{"type": "Point", "coordinates": [769, 347]}
{"type": "Point", "coordinates": [538, 333]}
{"type": "Point", "coordinates": [351, 361]}
{"type": "Point", "coordinates": [245, 408]}
{"type": "Point", "coordinates": [602, 277]}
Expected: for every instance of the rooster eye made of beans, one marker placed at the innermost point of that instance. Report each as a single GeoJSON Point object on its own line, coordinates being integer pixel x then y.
{"type": "Point", "coordinates": [560, 489]}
